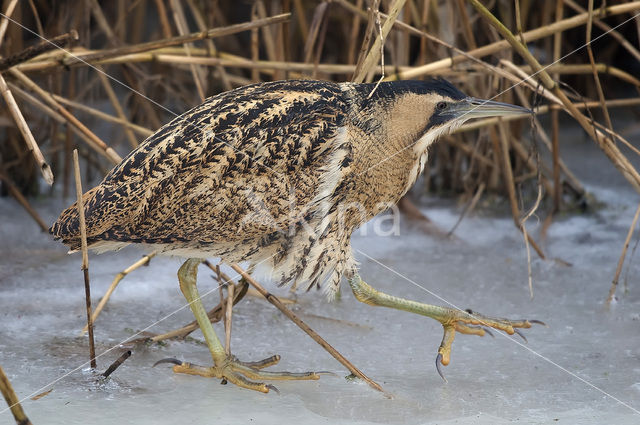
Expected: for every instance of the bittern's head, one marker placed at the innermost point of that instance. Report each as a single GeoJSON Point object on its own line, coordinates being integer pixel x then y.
{"type": "Point", "coordinates": [421, 111]}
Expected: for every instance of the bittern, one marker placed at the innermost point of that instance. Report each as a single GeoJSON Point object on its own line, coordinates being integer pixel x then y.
{"type": "Point", "coordinates": [280, 174]}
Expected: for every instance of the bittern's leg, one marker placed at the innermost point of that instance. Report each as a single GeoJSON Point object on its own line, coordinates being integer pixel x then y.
{"type": "Point", "coordinates": [452, 319]}
{"type": "Point", "coordinates": [225, 367]}
{"type": "Point", "coordinates": [187, 276]}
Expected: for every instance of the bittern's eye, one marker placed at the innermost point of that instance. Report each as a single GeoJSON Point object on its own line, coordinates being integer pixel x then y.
{"type": "Point", "coordinates": [441, 106]}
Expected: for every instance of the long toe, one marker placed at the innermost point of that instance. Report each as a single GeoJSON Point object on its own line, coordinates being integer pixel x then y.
{"type": "Point", "coordinates": [472, 323]}
{"type": "Point", "coordinates": [241, 373]}
{"type": "Point", "coordinates": [274, 376]}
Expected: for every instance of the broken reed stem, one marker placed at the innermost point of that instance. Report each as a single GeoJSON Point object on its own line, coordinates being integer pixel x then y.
{"type": "Point", "coordinates": [625, 247]}
{"type": "Point", "coordinates": [175, 41]}
{"type": "Point", "coordinates": [33, 51]}
{"type": "Point", "coordinates": [267, 35]}
{"type": "Point", "coordinates": [85, 257]}
{"type": "Point", "coordinates": [144, 261]}
{"type": "Point", "coordinates": [95, 142]}
{"type": "Point", "coordinates": [317, 338]}
{"type": "Point", "coordinates": [12, 400]}
{"type": "Point", "coordinates": [117, 363]}
{"type": "Point", "coordinates": [21, 123]}
{"type": "Point", "coordinates": [70, 129]}
{"type": "Point", "coordinates": [227, 319]}
{"type": "Point", "coordinates": [314, 29]}
{"type": "Point", "coordinates": [525, 236]}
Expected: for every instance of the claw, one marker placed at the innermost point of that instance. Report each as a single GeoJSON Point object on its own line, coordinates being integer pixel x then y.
{"type": "Point", "coordinates": [487, 330]}
{"type": "Point", "coordinates": [272, 387]}
{"type": "Point", "coordinates": [170, 360]}
{"type": "Point", "coordinates": [520, 334]}
{"type": "Point", "coordinates": [438, 361]}
{"type": "Point", "coordinates": [539, 322]}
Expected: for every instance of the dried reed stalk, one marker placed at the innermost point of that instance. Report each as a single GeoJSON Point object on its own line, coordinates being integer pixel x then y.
{"type": "Point", "coordinates": [12, 400]}
{"type": "Point", "coordinates": [96, 143]}
{"type": "Point", "coordinates": [21, 123]}
{"type": "Point", "coordinates": [175, 41]}
{"type": "Point", "coordinates": [38, 49]}
{"type": "Point", "coordinates": [594, 71]}
{"type": "Point", "coordinates": [124, 122]}
{"type": "Point", "coordinates": [555, 117]}
{"type": "Point", "coordinates": [85, 258]}
{"type": "Point", "coordinates": [615, 34]}
{"type": "Point", "coordinates": [227, 319]}
{"type": "Point", "coordinates": [211, 48]}
{"type": "Point", "coordinates": [527, 36]}
{"type": "Point", "coordinates": [374, 55]}
{"type": "Point", "coordinates": [115, 365]}
{"type": "Point", "coordinates": [62, 120]}
{"type": "Point", "coordinates": [605, 143]}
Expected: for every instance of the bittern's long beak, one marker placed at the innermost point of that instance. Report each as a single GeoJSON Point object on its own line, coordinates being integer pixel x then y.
{"type": "Point", "coordinates": [478, 108]}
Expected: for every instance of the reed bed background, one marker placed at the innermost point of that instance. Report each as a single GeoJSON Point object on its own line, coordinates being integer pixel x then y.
{"type": "Point", "coordinates": [101, 76]}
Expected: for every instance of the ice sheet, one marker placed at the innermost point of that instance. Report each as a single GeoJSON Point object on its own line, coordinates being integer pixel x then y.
{"type": "Point", "coordinates": [571, 372]}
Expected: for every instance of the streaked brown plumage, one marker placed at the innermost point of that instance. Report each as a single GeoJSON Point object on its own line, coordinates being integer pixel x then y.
{"type": "Point", "coordinates": [280, 173]}
{"type": "Point", "coordinates": [231, 177]}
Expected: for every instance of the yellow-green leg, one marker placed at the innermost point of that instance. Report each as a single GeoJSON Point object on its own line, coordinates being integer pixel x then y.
{"type": "Point", "coordinates": [466, 322]}
{"type": "Point", "coordinates": [227, 367]}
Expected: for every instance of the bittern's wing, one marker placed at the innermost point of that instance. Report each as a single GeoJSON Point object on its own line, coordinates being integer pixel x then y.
{"type": "Point", "coordinates": [241, 165]}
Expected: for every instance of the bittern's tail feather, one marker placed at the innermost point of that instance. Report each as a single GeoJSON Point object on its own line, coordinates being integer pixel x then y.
{"type": "Point", "coordinates": [67, 227]}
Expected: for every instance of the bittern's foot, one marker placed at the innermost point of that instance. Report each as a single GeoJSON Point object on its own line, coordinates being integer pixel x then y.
{"type": "Point", "coordinates": [237, 372]}
{"type": "Point", "coordinates": [472, 323]}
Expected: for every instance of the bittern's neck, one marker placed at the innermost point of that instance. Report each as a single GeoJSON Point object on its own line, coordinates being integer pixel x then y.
{"type": "Point", "coordinates": [386, 166]}
{"type": "Point", "coordinates": [389, 141]}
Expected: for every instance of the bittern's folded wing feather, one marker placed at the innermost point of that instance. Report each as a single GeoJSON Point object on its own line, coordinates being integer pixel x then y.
{"type": "Point", "coordinates": [241, 165]}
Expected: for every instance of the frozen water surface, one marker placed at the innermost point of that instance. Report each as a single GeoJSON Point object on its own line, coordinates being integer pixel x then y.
{"type": "Point", "coordinates": [499, 380]}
